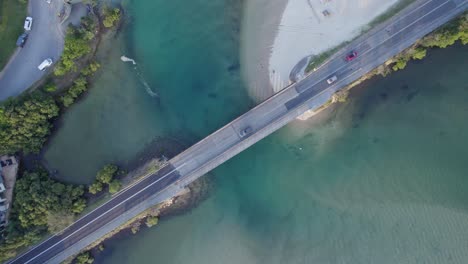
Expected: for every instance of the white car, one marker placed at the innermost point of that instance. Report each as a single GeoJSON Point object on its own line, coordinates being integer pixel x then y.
{"type": "Point", "coordinates": [48, 1]}
{"type": "Point", "coordinates": [332, 79]}
{"type": "Point", "coordinates": [45, 64]}
{"type": "Point", "coordinates": [28, 23]}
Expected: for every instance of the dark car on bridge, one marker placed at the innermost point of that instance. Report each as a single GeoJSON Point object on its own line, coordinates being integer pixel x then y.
{"type": "Point", "coordinates": [351, 56]}
{"type": "Point", "coordinates": [246, 131]}
{"type": "Point", "coordinates": [22, 40]}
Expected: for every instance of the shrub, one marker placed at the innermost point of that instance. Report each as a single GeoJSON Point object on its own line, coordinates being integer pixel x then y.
{"type": "Point", "coordinates": [84, 258]}
{"type": "Point", "coordinates": [95, 187]}
{"type": "Point", "coordinates": [114, 186]}
{"type": "Point", "coordinates": [26, 123]}
{"type": "Point", "coordinates": [111, 16]}
{"type": "Point", "coordinates": [50, 88]}
{"type": "Point", "coordinates": [106, 174]}
{"type": "Point", "coordinates": [75, 47]}
{"type": "Point", "coordinates": [152, 221]}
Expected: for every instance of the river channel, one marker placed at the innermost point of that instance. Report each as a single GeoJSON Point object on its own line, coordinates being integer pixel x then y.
{"type": "Point", "coordinates": [379, 179]}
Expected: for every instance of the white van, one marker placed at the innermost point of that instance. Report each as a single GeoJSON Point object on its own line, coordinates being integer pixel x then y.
{"type": "Point", "coordinates": [45, 64]}
{"type": "Point", "coordinates": [28, 23]}
{"type": "Point", "coordinates": [332, 79]}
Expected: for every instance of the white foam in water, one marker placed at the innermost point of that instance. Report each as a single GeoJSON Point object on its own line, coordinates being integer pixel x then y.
{"type": "Point", "coordinates": [147, 87]}
{"type": "Point", "coordinates": [142, 80]}
{"type": "Point", "coordinates": [127, 59]}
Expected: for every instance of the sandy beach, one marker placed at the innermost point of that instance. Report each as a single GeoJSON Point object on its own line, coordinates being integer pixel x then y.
{"type": "Point", "coordinates": [278, 34]}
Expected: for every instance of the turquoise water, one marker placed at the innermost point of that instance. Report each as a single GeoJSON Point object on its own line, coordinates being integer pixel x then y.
{"type": "Point", "coordinates": [380, 179]}
{"type": "Point", "coordinates": [185, 85]}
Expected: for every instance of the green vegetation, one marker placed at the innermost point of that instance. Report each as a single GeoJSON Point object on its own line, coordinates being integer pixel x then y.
{"type": "Point", "coordinates": [107, 173]}
{"type": "Point", "coordinates": [457, 30]}
{"type": "Point", "coordinates": [106, 176]}
{"type": "Point", "coordinates": [40, 204]}
{"type": "Point", "coordinates": [114, 186]}
{"type": "Point", "coordinates": [37, 196]}
{"type": "Point", "coordinates": [90, 69]}
{"type": "Point", "coordinates": [340, 96]}
{"type": "Point", "coordinates": [50, 88]}
{"type": "Point", "coordinates": [135, 227]}
{"type": "Point", "coordinates": [152, 221]}
{"type": "Point", "coordinates": [80, 85]}
{"type": "Point", "coordinates": [12, 14]}
{"type": "Point", "coordinates": [397, 7]}
{"type": "Point", "coordinates": [319, 59]}
{"type": "Point", "coordinates": [25, 123]}
{"type": "Point", "coordinates": [111, 16]}
{"type": "Point", "coordinates": [95, 187]}
{"type": "Point", "coordinates": [84, 258]}
{"type": "Point", "coordinates": [76, 46]}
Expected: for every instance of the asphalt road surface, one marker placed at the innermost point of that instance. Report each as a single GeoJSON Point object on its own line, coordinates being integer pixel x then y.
{"type": "Point", "coordinates": [374, 49]}
{"type": "Point", "coordinates": [45, 41]}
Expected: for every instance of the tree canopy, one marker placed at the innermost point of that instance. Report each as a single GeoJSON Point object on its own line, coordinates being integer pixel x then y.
{"type": "Point", "coordinates": [25, 124]}
{"type": "Point", "coordinates": [37, 196]}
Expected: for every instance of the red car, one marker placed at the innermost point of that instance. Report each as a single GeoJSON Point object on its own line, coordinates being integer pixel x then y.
{"type": "Point", "coordinates": [351, 56]}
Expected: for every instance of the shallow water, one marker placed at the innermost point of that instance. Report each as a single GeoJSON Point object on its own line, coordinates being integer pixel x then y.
{"type": "Point", "coordinates": [380, 179]}
{"type": "Point", "coordinates": [185, 85]}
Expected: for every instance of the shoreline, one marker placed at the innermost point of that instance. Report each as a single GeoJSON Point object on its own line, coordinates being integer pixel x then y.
{"type": "Point", "coordinates": [260, 20]}
{"type": "Point", "coordinates": [277, 36]}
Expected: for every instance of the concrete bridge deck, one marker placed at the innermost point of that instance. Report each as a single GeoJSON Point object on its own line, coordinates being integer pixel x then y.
{"type": "Point", "coordinates": [374, 49]}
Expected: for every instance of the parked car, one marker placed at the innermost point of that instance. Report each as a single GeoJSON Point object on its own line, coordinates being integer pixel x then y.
{"type": "Point", "coordinates": [22, 40]}
{"type": "Point", "coordinates": [332, 79]}
{"type": "Point", "coordinates": [48, 1]}
{"type": "Point", "coordinates": [28, 23]}
{"type": "Point", "coordinates": [351, 56]}
{"type": "Point", "coordinates": [246, 131]}
{"type": "Point", "coordinates": [45, 64]}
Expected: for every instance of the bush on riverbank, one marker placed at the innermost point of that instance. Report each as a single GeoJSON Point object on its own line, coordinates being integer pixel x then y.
{"type": "Point", "coordinates": [25, 123]}
{"type": "Point", "coordinates": [41, 204]}
{"type": "Point", "coordinates": [111, 16]}
{"type": "Point", "coordinates": [77, 44]}
{"type": "Point", "coordinates": [37, 196]}
{"type": "Point", "coordinates": [84, 258]}
{"type": "Point", "coordinates": [152, 221]}
{"type": "Point", "coordinates": [456, 30]}
{"type": "Point", "coordinates": [80, 85]}
{"type": "Point", "coordinates": [106, 177]}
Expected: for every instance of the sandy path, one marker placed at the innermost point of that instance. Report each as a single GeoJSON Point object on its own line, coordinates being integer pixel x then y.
{"type": "Point", "coordinates": [278, 34]}
{"type": "Point", "coordinates": [304, 30]}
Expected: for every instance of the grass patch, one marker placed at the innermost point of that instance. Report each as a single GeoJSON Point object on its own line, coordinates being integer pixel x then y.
{"type": "Point", "coordinates": [397, 7]}
{"type": "Point", "coordinates": [319, 59]}
{"type": "Point", "coordinates": [12, 15]}
{"type": "Point", "coordinates": [322, 57]}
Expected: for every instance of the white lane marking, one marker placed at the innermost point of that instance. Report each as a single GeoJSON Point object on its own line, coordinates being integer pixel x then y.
{"type": "Point", "coordinates": [121, 192]}
{"type": "Point", "coordinates": [419, 7]}
{"type": "Point", "coordinates": [151, 184]}
{"type": "Point", "coordinates": [372, 49]}
{"type": "Point", "coordinates": [390, 37]}
{"type": "Point", "coordinates": [391, 24]}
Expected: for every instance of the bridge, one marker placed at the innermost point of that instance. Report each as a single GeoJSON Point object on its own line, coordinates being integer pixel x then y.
{"type": "Point", "coordinates": [374, 48]}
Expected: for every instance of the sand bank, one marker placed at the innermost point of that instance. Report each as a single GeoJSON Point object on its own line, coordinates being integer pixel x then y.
{"type": "Point", "coordinates": [258, 30]}
{"type": "Point", "coordinates": [278, 34]}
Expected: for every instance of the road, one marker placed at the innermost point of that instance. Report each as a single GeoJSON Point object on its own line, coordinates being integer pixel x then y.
{"type": "Point", "coordinates": [46, 40]}
{"type": "Point", "coordinates": [374, 49]}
